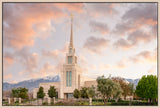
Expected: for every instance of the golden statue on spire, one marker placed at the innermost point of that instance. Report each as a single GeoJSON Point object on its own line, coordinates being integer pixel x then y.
{"type": "Point", "coordinates": [71, 16]}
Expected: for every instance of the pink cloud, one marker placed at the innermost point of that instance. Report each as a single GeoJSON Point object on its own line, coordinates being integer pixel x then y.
{"type": "Point", "coordinates": [145, 57]}
{"type": "Point", "coordinates": [99, 27]}
{"type": "Point", "coordinates": [96, 45]}
{"type": "Point", "coordinates": [123, 44]}
{"type": "Point", "coordinates": [138, 16]}
{"type": "Point", "coordinates": [8, 76]}
{"type": "Point", "coordinates": [100, 9]}
{"type": "Point", "coordinates": [134, 39]}
{"type": "Point", "coordinates": [19, 18]}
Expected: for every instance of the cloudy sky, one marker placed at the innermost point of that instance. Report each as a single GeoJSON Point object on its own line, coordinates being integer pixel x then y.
{"type": "Point", "coordinates": [110, 38]}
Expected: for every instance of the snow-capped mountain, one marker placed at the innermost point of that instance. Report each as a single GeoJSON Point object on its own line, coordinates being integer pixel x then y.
{"type": "Point", "coordinates": [32, 83]}
{"type": "Point", "coordinates": [134, 81]}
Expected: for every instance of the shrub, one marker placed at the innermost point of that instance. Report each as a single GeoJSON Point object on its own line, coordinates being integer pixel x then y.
{"type": "Point", "coordinates": [44, 103]}
{"type": "Point", "coordinates": [120, 103]}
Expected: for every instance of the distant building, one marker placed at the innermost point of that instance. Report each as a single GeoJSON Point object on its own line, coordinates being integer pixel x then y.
{"type": "Point", "coordinates": [71, 76]}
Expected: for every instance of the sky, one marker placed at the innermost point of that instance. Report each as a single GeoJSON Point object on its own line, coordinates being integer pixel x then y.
{"type": "Point", "coordinates": [117, 39]}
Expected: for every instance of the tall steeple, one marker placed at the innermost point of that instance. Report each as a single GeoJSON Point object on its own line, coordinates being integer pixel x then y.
{"type": "Point", "coordinates": [71, 38]}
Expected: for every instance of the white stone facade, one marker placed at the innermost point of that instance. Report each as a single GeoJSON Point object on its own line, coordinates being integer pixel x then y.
{"type": "Point", "coordinates": [74, 79]}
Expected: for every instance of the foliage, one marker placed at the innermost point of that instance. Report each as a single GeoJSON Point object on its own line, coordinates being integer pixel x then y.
{"type": "Point", "coordinates": [147, 87]}
{"type": "Point", "coordinates": [132, 90]}
{"type": "Point", "coordinates": [15, 92]}
{"type": "Point", "coordinates": [120, 103]}
{"type": "Point", "coordinates": [40, 93]}
{"type": "Point", "coordinates": [107, 87]}
{"type": "Point", "coordinates": [20, 92]}
{"type": "Point", "coordinates": [142, 103]}
{"type": "Point", "coordinates": [44, 103]}
{"type": "Point", "coordinates": [84, 91]}
{"type": "Point", "coordinates": [117, 91]}
{"type": "Point", "coordinates": [52, 92]}
{"type": "Point", "coordinates": [125, 87]}
{"type": "Point", "coordinates": [77, 93]}
{"type": "Point", "coordinates": [81, 103]}
{"type": "Point", "coordinates": [91, 92]}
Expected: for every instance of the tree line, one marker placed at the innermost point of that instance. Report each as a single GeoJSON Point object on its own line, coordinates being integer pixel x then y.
{"type": "Point", "coordinates": [107, 88]}
{"type": "Point", "coordinates": [116, 87]}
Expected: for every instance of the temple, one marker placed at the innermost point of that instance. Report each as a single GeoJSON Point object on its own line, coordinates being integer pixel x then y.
{"type": "Point", "coordinates": [71, 76]}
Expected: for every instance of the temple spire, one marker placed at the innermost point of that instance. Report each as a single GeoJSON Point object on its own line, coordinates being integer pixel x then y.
{"type": "Point", "coordinates": [71, 38]}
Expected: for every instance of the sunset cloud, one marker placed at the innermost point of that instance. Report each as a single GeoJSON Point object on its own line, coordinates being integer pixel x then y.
{"type": "Point", "coordinates": [22, 34]}
{"type": "Point", "coordinates": [136, 17]}
{"type": "Point", "coordinates": [95, 45]}
{"type": "Point", "coordinates": [145, 57]}
{"type": "Point", "coordinates": [53, 53]}
{"type": "Point", "coordinates": [107, 37]}
{"type": "Point", "coordinates": [123, 44]}
{"type": "Point", "coordinates": [98, 9]}
{"type": "Point", "coordinates": [140, 36]}
{"type": "Point", "coordinates": [8, 76]}
{"type": "Point", "coordinates": [134, 39]}
{"type": "Point", "coordinates": [99, 27]}
{"type": "Point", "coordinates": [8, 59]}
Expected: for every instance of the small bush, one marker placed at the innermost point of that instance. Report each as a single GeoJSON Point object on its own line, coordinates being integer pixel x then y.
{"type": "Point", "coordinates": [111, 100]}
{"type": "Point", "coordinates": [143, 103]}
{"type": "Point", "coordinates": [44, 103]}
{"type": "Point", "coordinates": [120, 103]}
{"type": "Point", "coordinates": [16, 102]}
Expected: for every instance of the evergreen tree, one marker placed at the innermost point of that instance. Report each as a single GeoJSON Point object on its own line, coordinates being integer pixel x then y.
{"type": "Point", "coordinates": [77, 93]}
{"type": "Point", "coordinates": [52, 92]}
{"type": "Point", "coordinates": [40, 93]}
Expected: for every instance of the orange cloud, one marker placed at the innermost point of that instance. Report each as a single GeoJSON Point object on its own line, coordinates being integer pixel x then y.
{"type": "Point", "coordinates": [121, 64]}
{"type": "Point", "coordinates": [145, 56]}
{"type": "Point", "coordinates": [20, 18]}
{"type": "Point", "coordinates": [71, 7]}
{"type": "Point", "coordinates": [104, 67]}
{"type": "Point", "coordinates": [8, 76]}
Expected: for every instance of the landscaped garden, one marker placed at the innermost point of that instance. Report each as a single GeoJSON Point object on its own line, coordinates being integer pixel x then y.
{"type": "Point", "coordinates": [109, 92]}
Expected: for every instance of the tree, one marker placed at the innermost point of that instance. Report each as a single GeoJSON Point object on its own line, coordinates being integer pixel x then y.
{"type": "Point", "coordinates": [106, 86]}
{"type": "Point", "coordinates": [40, 93]}
{"type": "Point", "coordinates": [125, 87]}
{"type": "Point", "coordinates": [117, 91]}
{"type": "Point", "coordinates": [52, 92]}
{"type": "Point", "coordinates": [77, 93]}
{"type": "Point", "coordinates": [84, 92]}
{"type": "Point", "coordinates": [147, 87]}
{"type": "Point", "coordinates": [20, 92]}
{"type": "Point", "coordinates": [23, 93]}
{"type": "Point", "coordinates": [132, 90]}
{"type": "Point", "coordinates": [15, 92]}
{"type": "Point", "coordinates": [91, 92]}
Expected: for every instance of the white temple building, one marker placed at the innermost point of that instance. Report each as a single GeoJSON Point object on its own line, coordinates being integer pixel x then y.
{"type": "Point", "coordinates": [70, 78]}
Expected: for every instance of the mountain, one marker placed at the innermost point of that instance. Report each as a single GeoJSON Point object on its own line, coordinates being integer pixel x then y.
{"type": "Point", "coordinates": [30, 84]}
{"type": "Point", "coordinates": [34, 83]}
{"type": "Point", "coordinates": [134, 81]}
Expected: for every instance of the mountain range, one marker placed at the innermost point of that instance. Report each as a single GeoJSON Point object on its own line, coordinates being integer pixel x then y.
{"type": "Point", "coordinates": [30, 84]}
{"type": "Point", "coordinates": [34, 83]}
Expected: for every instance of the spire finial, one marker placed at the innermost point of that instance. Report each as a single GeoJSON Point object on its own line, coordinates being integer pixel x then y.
{"type": "Point", "coordinates": [71, 16]}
